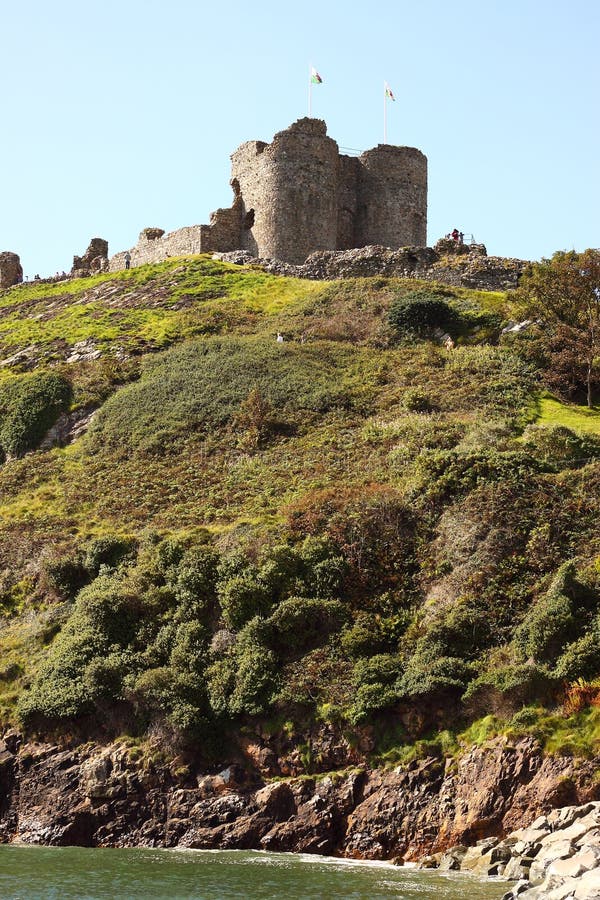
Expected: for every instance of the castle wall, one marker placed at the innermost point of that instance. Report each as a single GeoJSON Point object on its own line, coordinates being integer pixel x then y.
{"type": "Point", "coordinates": [392, 198]}
{"type": "Point", "coordinates": [291, 187]}
{"type": "Point", "coordinates": [183, 242]}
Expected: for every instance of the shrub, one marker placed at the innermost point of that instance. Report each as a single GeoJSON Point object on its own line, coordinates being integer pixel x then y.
{"type": "Point", "coordinates": [299, 624]}
{"type": "Point", "coordinates": [551, 623]}
{"type": "Point", "coordinates": [195, 588]}
{"type": "Point", "coordinates": [29, 407]}
{"type": "Point", "coordinates": [243, 597]}
{"type": "Point", "coordinates": [255, 679]}
{"type": "Point", "coordinates": [510, 687]}
{"type": "Point", "coordinates": [108, 550]}
{"type": "Point", "coordinates": [579, 659]}
{"type": "Point", "coordinates": [415, 400]}
{"type": "Point", "coordinates": [421, 313]}
{"type": "Point", "coordinates": [559, 447]}
{"type": "Point", "coordinates": [430, 671]}
{"type": "Point", "coordinates": [373, 633]}
{"type": "Point", "coordinates": [65, 574]}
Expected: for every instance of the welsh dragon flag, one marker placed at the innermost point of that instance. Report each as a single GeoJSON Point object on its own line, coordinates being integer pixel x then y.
{"type": "Point", "coordinates": [315, 77]}
{"type": "Point", "coordinates": [388, 92]}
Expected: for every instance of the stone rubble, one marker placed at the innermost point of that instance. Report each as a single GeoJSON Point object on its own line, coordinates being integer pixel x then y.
{"type": "Point", "coordinates": [556, 858]}
{"type": "Point", "coordinates": [462, 265]}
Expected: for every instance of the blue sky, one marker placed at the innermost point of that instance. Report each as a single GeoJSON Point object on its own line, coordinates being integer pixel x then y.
{"type": "Point", "coordinates": [122, 115]}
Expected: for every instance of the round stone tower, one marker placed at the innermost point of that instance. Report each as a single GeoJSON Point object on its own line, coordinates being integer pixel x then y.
{"type": "Point", "coordinates": [289, 190]}
{"type": "Point", "coordinates": [392, 197]}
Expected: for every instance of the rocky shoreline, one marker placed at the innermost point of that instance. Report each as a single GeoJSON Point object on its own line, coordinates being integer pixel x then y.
{"type": "Point", "coordinates": [112, 795]}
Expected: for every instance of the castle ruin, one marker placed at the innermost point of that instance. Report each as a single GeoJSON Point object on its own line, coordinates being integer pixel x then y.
{"type": "Point", "coordinates": [299, 194]}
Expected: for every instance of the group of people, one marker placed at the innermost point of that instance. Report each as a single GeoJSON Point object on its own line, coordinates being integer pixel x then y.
{"type": "Point", "coordinates": [457, 236]}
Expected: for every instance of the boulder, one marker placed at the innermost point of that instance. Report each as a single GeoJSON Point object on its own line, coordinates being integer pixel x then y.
{"type": "Point", "coordinates": [11, 272]}
{"type": "Point", "coordinates": [589, 886]}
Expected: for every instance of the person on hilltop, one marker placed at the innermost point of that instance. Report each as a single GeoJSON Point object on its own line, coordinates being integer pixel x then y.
{"type": "Point", "coordinates": [455, 234]}
{"type": "Point", "coordinates": [127, 260]}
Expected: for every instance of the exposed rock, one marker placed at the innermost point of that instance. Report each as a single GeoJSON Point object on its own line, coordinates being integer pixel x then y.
{"type": "Point", "coordinates": [84, 351]}
{"type": "Point", "coordinates": [430, 810]}
{"type": "Point", "coordinates": [95, 259]}
{"type": "Point", "coordinates": [67, 428]}
{"type": "Point", "coordinates": [11, 271]}
{"type": "Point", "coordinates": [237, 257]}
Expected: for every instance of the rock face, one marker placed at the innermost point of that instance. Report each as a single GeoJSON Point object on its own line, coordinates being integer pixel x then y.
{"type": "Point", "coordinates": [103, 796]}
{"type": "Point", "coordinates": [11, 271]}
{"type": "Point", "coordinates": [95, 259]}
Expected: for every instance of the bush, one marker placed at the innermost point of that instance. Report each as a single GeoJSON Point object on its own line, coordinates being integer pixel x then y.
{"type": "Point", "coordinates": [579, 659]}
{"type": "Point", "coordinates": [510, 687]}
{"type": "Point", "coordinates": [430, 671]}
{"type": "Point", "coordinates": [559, 447]}
{"type": "Point", "coordinates": [551, 623]}
{"type": "Point", "coordinates": [195, 588]}
{"type": "Point", "coordinates": [372, 633]}
{"type": "Point", "coordinates": [243, 597]}
{"type": "Point", "coordinates": [299, 624]}
{"type": "Point", "coordinates": [108, 550]}
{"type": "Point", "coordinates": [65, 574]}
{"type": "Point", "coordinates": [29, 407]}
{"type": "Point", "coordinates": [419, 313]}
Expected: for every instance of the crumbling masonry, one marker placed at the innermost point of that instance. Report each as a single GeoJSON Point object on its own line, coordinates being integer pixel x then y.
{"type": "Point", "coordinates": [298, 194]}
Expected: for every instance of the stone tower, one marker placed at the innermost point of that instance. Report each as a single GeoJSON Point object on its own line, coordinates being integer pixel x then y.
{"type": "Point", "coordinates": [289, 192]}
{"type": "Point", "coordinates": [392, 197]}
{"type": "Point", "coordinates": [298, 195]}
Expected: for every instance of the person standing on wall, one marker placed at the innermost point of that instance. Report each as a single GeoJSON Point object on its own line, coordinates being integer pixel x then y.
{"type": "Point", "coordinates": [128, 260]}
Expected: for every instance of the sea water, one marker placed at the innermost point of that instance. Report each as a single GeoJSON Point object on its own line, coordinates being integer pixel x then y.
{"type": "Point", "coordinates": [74, 873]}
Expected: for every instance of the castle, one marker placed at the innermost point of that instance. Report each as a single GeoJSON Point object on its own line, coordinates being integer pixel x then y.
{"type": "Point", "coordinates": [299, 194]}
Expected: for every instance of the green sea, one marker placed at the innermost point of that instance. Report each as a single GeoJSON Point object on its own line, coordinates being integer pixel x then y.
{"type": "Point", "coordinates": [73, 873]}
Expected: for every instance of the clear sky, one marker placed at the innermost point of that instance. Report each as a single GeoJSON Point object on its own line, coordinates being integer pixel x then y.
{"type": "Point", "coordinates": [122, 115]}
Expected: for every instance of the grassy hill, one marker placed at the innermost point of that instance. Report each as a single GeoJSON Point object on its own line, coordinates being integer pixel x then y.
{"type": "Point", "coordinates": [355, 525]}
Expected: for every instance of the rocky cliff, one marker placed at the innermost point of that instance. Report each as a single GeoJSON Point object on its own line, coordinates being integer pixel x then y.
{"type": "Point", "coordinates": [95, 795]}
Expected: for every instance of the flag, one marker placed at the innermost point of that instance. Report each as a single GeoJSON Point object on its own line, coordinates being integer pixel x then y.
{"type": "Point", "coordinates": [388, 92]}
{"type": "Point", "coordinates": [315, 77]}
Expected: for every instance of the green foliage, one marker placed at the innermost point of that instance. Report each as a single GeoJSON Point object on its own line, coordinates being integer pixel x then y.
{"type": "Point", "coordinates": [564, 292]}
{"type": "Point", "coordinates": [108, 550]}
{"type": "Point", "coordinates": [559, 447]}
{"type": "Point", "coordinates": [510, 686]}
{"type": "Point", "coordinates": [242, 597]}
{"type": "Point", "coordinates": [207, 384]}
{"type": "Point", "coordinates": [552, 622]}
{"type": "Point", "coordinates": [29, 407]}
{"type": "Point", "coordinates": [420, 313]}
{"type": "Point", "coordinates": [330, 527]}
{"type": "Point", "coordinates": [429, 671]}
{"type": "Point", "coordinates": [299, 624]}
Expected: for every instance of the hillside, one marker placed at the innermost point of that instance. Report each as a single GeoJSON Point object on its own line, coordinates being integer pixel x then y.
{"type": "Point", "coordinates": [357, 527]}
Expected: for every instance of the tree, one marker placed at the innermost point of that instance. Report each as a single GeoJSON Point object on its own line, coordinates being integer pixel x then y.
{"type": "Point", "coordinates": [564, 294]}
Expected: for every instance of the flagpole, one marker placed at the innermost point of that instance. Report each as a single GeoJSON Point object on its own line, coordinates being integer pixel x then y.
{"type": "Point", "coordinates": [309, 90]}
{"type": "Point", "coordinates": [384, 112]}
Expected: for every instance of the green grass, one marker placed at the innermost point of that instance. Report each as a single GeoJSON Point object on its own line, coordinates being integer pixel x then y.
{"type": "Point", "coordinates": [577, 418]}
